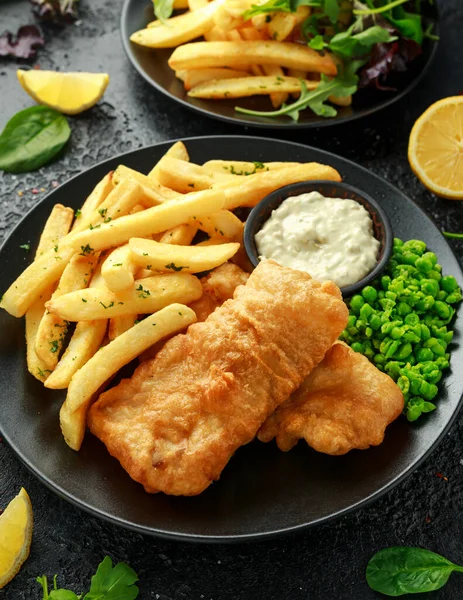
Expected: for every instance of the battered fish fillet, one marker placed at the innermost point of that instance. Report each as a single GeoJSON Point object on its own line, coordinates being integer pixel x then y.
{"type": "Point", "coordinates": [175, 424]}
{"type": "Point", "coordinates": [345, 403]}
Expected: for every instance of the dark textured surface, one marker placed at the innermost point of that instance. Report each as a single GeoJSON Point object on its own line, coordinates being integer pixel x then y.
{"type": "Point", "coordinates": [328, 562]}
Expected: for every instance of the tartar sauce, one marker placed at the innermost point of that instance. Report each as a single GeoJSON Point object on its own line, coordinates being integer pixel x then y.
{"type": "Point", "coordinates": [330, 238]}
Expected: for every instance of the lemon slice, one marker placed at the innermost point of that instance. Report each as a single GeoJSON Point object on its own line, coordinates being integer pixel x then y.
{"type": "Point", "coordinates": [16, 524]}
{"type": "Point", "coordinates": [69, 93]}
{"type": "Point", "coordinates": [435, 149]}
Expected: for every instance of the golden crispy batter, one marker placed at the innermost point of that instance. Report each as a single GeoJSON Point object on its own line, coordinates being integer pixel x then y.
{"type": "Point", "coordinates": [345, 403]}
{"type": "Point", "coordinates": [218, 286]}
{"type": "Point", "coordinates": [177, 422]}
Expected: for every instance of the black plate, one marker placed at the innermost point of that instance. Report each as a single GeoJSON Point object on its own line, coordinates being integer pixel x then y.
{"type": "Point", "coordinates": [262, 491]}
{"type": "Point", "coordinates": [152, 66]}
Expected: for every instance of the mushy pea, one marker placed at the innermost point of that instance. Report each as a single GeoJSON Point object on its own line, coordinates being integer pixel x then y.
{"type": "Point", "coordinates": [330, 238]}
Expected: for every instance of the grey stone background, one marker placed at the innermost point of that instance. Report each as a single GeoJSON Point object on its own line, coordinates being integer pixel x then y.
{"type": "Point", "coordinates": [327, 562]}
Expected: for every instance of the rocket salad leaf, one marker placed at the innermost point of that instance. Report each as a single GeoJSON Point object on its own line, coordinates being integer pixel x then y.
{"type": "Point", "coordinates": [398, 571]}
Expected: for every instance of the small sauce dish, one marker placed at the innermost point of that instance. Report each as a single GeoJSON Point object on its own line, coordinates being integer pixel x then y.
{"type": "Point", "coordinates": [379, 226]}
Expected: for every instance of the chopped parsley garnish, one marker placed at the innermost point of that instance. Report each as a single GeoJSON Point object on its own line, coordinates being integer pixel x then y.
{"type": "Point", "coordinates": [174, 267]}
{"type": "Point", "coordinates": [54, 346]}
{"type": "Point", "coordinates": [83, 300]}
{"type": "Point", "coordinates": [77, 213]}
{"type": "Point", "coordinates": [56, 248]}
{"type": "Point", "coordinates": [110, 305]}
{"type": "Point", "coordinates": [103, 211]}
{"type": "Point", "coordinates": [86, 250]}
{"type": "Point", "coordinates": [25, 247]}
{"type": "Point", "coordinates": [143, 293]}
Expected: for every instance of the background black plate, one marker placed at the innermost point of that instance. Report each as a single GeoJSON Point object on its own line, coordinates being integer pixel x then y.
{"type": "Point", "coordinates": [262, 491]}
{"type": "Point", "coordinates": [152, 66]}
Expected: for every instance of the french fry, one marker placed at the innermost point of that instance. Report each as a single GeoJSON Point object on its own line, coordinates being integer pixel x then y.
{"type": "Point", "coordinates": [152, 220]}
{"type": "Point", "coordinates": [249, 33]}
{"type": "Point", "coordinates": [341, 100]}
{"type": "Point", "coordinates": [224, 21]}
{"type": "Point", "coordinates": [35, 280]}
{"type": "Point", "coordinates": [145, 297]}
{"type": "Point", "coordinates": [136, 209]}
{"type": "Point", "coordinates": [236, 8]}
{"type": "Point", "coordinates": [57, 226]}
{"type": "Point", "coordinates": [215, 35]}
{"type": "Point", "coordinates": [241, 167]}
{"type": "Point", "coordinates": [87, 337]}
{"type": "Point", "coordinates": [182, 235]}
{"type": "Point", "coordinates": [197, 4]}
{"type": "Point", "coordinates": [248, 191]}
{"type": "Point", "coordinates": [118, 269]}
{"type": "Point", "coordinates": [94, 200]}
{"type": "Point", "coordinates": [259, 22]}
{"type": "Point", "coordinates": [143, 273]}
{"type": "Point", "coordinates": [109, 359]}
{"type": "Point", "coordinates": [119, 325]}
{"type": "Point", "coordinates": [281, 25]}
{"type": "Point", "coordinates": [178, 30]}
{"type": "Point", "coordinates": [181, 176]}
{"type": "Point", "coordinates": [221, 224]}
{"type": "Point", "coordinates": [248, 86]}
{"type": "Point", "coordinates": [300, 75]}
{"type": "Point", "coordinates": [188, 259]}
{"type": "Point", "coordinates": [276, 98]}
{"type": "Point", "coordinates": [215, 241]}
{"type": "Point", "coordinates": [177, 150]}
{"type": "Point", "coordinates": [161, 193]}
{"type": "Point", "coordinates": [180, 4]}
{"type": "Point", "coordinates": [234, 54]}
{"type": "Point", "coordinates": [122, 199]}
{"type": "Point", "coordinates": [195, 76]}
{"type": "Point", "coordinates": [52, 329]}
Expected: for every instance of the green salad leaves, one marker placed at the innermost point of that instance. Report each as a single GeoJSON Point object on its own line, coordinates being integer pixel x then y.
{"type": "Point", "coordinates": [31, 138]}
{"type": "Point", "coordinates": [108, 583]}
{"type": "Point", "coordinates": [163, 9]}
{"type": "Point", "coordinates": [398, 571]}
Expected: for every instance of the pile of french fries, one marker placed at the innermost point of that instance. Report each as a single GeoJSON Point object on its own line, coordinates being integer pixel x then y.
{"type": "Point", "coordinates": [123, 267]}
{"type": "Point", "coordinates": [238, 57]}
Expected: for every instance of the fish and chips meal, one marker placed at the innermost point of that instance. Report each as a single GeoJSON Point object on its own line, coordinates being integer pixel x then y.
{"type": "Point", "coordinates": [313, 54]}
{"type": "Point", "coordinates": [152, 268]}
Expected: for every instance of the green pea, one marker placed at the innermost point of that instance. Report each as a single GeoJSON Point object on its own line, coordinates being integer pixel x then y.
{"type": "Point", "coordinates": [375, 322]}
{"type": "Point", "coordinates": [431, 391]}
{"type": "Point", "coordinates": [434, 377]}
{"type": "Point", "coordinates": [405, 350]}
{"type": "Point", "coordinates": [424, 354]}
{"type": "Point", "coordinates": [356, 303]}
{"type": "Point", "coordinates": [358, 347]}
{"type": "Point", "coordinates": [430, 287]}
{"type": "Point", "coordinates": [409, 336]}
{"type": "Point", "coordinates": [398, 243]}
{"type": "Point", "coordinates": [376, 343]}
{"type": "Point", "coordinates": [381, 294]}
{"type": "Point", "coordinates": [385, 282]}
{"type": "Point", "coordinates": [410, 258]}
{"type": "Point", "coordinates": [438, 349]}
{"type": "Point", "coordinates": [370, 294]}
{"type": "Point", "coordinates": [412, 319]}
{"type": "Point", "coordinates": [352, 331]}
{"type": "Point", "coordinates": [365, 312]}
{"type": "Point", "coordinates": [434, 275]}
{"type": "Point", "coordinates": [442, 362]}
{"type": "Point", "coordinates": [397, 332]}
{"type": "Point", "coordinates": [453, 298]}
{"type": "Point", "coordinates": [404, 384]}
{"type": "Point", "coordinates": [351, 320]}
{"type": "Point", "coordinates": [424, 264]}
{"type": "Point", "coordinates": [379, 359]}
{"type": "Point", "coordinates": [425, 304]}
{"type": "Point", "coordinates": [448, 336]}
{"type": "Point", "coordinates": [449, 284]}
{"type": "Point", "coordinates": [403, 309]}
{"type": "Point", "coordinates": [416, 246]}
{"type": "Point", "coordinates": [441, 295]}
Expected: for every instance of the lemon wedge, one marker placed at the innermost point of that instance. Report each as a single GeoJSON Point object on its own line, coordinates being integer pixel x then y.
{"type": "Point", "coordinates": [68, 93]}
{"type": "Point", "coordinates": [435, 149]}
{"type": "Point", "coordinates": [16, 523]}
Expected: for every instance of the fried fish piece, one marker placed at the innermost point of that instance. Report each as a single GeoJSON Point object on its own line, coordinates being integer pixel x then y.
{"type": "Point", "coordinates": [345, 403]}
{"type": "Point", "coordinates": [175, 424]}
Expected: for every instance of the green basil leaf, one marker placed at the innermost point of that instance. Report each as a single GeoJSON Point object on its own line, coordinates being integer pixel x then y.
{"type": "Point", "coordinates": [163, 9]}
{"type": "Point", "coordinates": [401, 570]}
{"type": "Point", "coordinates": [32, 138]}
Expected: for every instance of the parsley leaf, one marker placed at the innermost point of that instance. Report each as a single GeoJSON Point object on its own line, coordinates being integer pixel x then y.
{"type": "Point", "coordinates": [25, 247]}
{"type": "Point", "coordinates": [174, 267]}
{"type": "Point", "coordinates": [163, 9]}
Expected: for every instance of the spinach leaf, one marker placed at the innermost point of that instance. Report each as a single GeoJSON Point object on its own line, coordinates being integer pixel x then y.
{"type": "Point", "coordinates": [163, 9]}
{"type": "Point", "coordinates": [401, 570]}
{"type": "Point", "coordinates": [32, 138]}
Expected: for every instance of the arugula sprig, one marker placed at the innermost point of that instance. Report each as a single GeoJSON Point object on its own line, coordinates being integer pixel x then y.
{"type": "Point", "coordinates": [108, 583]}
{"type": "Point", "coordinates": [163, 9]}
{"type": "Point", "coordinates": [400, 570]}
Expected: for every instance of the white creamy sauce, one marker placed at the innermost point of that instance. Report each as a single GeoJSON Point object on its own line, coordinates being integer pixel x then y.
{"type": "Point", "coordinates": [330, 238]}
